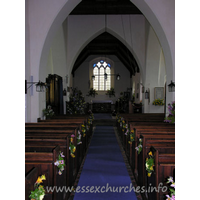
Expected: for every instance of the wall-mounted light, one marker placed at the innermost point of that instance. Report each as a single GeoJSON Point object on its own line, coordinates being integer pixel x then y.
{"type": "Point", "coordinates": [64, 92]}
{"type": "Point", "coordinates": [93, 77]}
{"type": "Point", "coordinates": [171, 87]}
{"type": "Point", "coordinates": [40, 86]}
{"type": "Point", "coordinates": [146, 95]}
{"type": "Point", "coordinates": [118, 77]}
{"type": "Point", "coordinates": [105, 76]}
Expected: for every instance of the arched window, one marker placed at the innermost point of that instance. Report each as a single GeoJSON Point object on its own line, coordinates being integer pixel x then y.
{"type": "Point", "coordinates": [99, 82]}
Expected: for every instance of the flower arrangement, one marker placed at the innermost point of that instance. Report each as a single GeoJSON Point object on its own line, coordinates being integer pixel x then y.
{"type": "Point", "coordinates": [149, 164]}
{"type": "Point", "coordinates": [91, 116]}
{"type": "Point", "coordinates": [72, 147]}
{"type": "Point", "coordinates": [77, 103]}
{"type": "Point", "coordinates": [171, 116]}
{"type": "Point", "coordinates": [89, 121]}
{"type": "Point", "coordinates": [48, 112]}
{"type": "Point", "coordinates": [123, 125]}
{"type": "Point", "coordinates": [79, 138]}
{"type": "Point", "coordinates": [132, 136]}
{"type": "Point", "coordinates": [127, 130]}
{"type": "Point", "coordinates": [60, 163]}
{"type": "Point", "coordinates": [121, 121]}
{"type": "Point", "coordinates": [171, 196]}
{"type": "Point", "coordinates": [92, 92]}
{"type": "Point", "coordinates": [139, 147]}
{"type": "Point", "coordinates": [158, 102]}
{"type": "Point", "coordinates": [111, 92]}
{"type": "Point", "coordinates": [83, 129]}
{"type": "Point", "coordinates": [39, 192]}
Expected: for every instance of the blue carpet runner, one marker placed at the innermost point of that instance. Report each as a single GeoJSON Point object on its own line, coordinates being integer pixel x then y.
{"type": "Point", "coordinates": [104, 174]}
{"type": "Point", "coordinates": [102, 116]}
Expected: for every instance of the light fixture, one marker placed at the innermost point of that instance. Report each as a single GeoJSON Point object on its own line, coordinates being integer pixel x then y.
{"type": "Point", "coordinates": [64, 92]}
{"type": "Point", "coordinates": [146, 95]}
{"type": "Point", "coordinates": [93, 77]}
{"type": "Point", "coordinates": [171, 87]}
{"type": "Point", "coordinates": [105, 76]}
{"type": "Point", "coordinates": [40, 86]}
{"type": "Point", "coordinates": [118, 77]}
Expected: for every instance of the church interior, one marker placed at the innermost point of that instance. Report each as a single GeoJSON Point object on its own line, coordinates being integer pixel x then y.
{"type": "Point", "coordinates": [99, 99]}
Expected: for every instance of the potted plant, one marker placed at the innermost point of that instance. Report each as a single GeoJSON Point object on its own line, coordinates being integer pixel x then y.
{"type": "Point", "coordinates": [48, 112]}
{"type": "Point", "coordinates": [111, 92]}
{"type": "Point", "coordinates": [158, 102]}
{"type": "Point", "coordinates": [92, 92]}
{"type": "Point", "coordinates": [171, 117]}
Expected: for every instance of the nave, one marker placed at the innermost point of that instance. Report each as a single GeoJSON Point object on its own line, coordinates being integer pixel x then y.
{"type": "Point", "coordinates": [106, 156]}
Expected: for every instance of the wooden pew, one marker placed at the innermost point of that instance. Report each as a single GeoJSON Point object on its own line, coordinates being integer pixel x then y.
{"type": "Point", "coordinates": [138, 129]}
{"type": "Point", "coordinates": [43, 158]}
{"type": "Point", "coordinates": [52, 131]}
{"type": "Point", "coordinates": [145, 139]}
{"type": "Point", "coordinates": [162, 144]}
{"type": "Point", "coordinates": [141, 124]}
{"type": "Point", "coordinates": [132, 153]}
{"type": "Point", "coordinates": [75, 121]}
{"type": "Point", "coordinates": [164, 167]}
{"type": "Point", "coordinates": [58, 132]}
{"type": "Point", "coordinates": [30, 179]}
{"type": "Point", "coordinates": [72, 164]}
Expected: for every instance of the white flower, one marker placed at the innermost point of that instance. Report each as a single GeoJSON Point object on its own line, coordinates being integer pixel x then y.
{"type": "Point", "coordinates": [173, 185]}
{"type": "Point", "coordinates": [56, 163]}
{"type": "Point", "coordinates": [61, 154]}
{"type": "Point", "coordinates": [147, 166]}
{"type": "Point", "coordinates": [170, 179]}
{"type": "Point", "coordinates": [41, 196]}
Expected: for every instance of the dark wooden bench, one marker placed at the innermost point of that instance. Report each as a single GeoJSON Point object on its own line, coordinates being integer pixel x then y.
{"type": "Point", "coordinates": [30, 179]}
{"type": "Point", "coordinates": [63, 140]}
{"type": "Point", "coordinates": [58, 132]}
{"type": "Point", "coordinates": [164, 167]}
{"type": "Point", "coordinates": [138, 128]}
{"type": "Point", "coordinates": [163, 145]}
{"type": "Point", "coordinates": [150, 138]}
{"type": "Point", "coordinates": [131, 151]}
{"type": "Point", "coordinates": [43, 158]}
{"type": "Point", "coordinates": [51, 131]}
{"type": "Point", "coordinates": [71, 121]}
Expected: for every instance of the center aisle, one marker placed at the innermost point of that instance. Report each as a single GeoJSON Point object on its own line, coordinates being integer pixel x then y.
{"type": "Point", "coordinates": [104, 174]}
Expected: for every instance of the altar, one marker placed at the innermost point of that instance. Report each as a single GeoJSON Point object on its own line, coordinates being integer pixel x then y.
{"type": "Point", "coordinates": [102, 106]}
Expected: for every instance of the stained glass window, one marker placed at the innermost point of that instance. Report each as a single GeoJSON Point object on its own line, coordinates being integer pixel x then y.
{"type": "Point", "coordinates": [99, 69]}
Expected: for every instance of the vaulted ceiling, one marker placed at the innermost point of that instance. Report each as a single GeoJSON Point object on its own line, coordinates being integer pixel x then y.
{"type": "Point", "coordinates": [107, 44]}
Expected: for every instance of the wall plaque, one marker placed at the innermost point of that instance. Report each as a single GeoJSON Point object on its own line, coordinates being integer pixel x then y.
{"type": "Point", "coordinates": [159, 93]}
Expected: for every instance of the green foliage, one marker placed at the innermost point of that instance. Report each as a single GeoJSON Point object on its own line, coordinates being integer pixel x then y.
{"type": "Point", "coordinates": [158, 102]}
{"type": "Point", "coordinates": [92, 92]}
{"type": "Point", "coordinates": [77, 103]}
{"type": "Point", "coordinates": [48, 112]}
{"type": "Point", "coordinates": [111, 92]}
